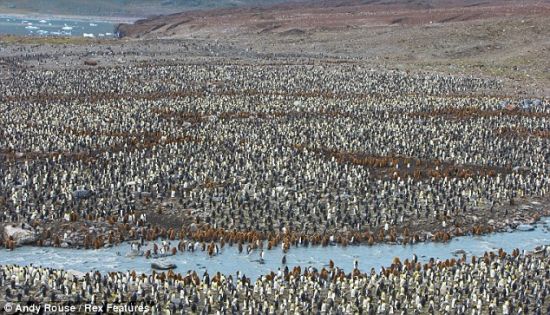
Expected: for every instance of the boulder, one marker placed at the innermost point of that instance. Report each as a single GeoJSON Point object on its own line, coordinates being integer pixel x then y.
{"type": "Point", "coordinates": [525, 227]}
{"type": "Point", "coordinates": [90, 62]}
{"type": "Point", "coordinates": [459, 252]}
{"type": "Point", "coordinates": [20, 236]}
{"type": "Point", "coordinates": [76, 273]}
{"type": "Point", "coordinates": [163, 266]}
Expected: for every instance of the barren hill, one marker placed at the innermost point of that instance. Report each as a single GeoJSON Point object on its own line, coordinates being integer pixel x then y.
{"type": "Point", "coordinates": [505, 39]}
{"type": "Point", "coordinates": [314, 16]}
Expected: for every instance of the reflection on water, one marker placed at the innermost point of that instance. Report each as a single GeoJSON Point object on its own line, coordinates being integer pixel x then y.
{"type": "Point", "coordinates": [230, 261]}
{"type": "Point", "coordinates": [55, 27]}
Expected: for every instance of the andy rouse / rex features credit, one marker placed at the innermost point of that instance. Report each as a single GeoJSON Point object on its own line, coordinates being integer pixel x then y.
{"type": "Point", "coordinates": [48, 308]}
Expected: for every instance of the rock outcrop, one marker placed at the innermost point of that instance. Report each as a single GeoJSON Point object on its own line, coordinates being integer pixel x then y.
{"type": "Point", "coordinates": [21, 236]}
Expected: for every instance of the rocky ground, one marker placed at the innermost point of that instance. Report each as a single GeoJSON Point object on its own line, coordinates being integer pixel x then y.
{"type": "Point", "coordinates": [167, 221]}
{"type": "Point", "coordinates": [506, 41]}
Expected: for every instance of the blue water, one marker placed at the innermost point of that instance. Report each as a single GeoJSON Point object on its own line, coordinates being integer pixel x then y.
{"type": "Point", "coordinates": [14, 25]}
{"type": "Point", "coordinates": [230, 261]}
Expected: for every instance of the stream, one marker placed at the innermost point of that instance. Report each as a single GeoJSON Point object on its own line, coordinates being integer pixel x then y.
{"type": "Point", "coordinates": [229, 261]}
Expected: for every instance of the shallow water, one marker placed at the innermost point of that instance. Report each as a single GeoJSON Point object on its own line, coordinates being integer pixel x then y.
{"type": "Point", "coordinates": [15, 25]}
{"type": "Point", "coordinates": [230, 261]}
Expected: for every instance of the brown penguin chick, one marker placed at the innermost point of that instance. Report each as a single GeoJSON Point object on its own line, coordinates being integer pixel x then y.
{"type": "Point", "coordinates": [392, 237]}
{"type": "Point", "coordinates": [501, 253]}
{"type": "Point", "coordinates": [396, 261]}
{"type": "Point", "coordinates": [10, 243]}
{"type": "Point", "coordinates": [370, 241]}
{"type": "Point", "coordinates": [172, 234]}
{"type": "Point", "coordinates": [344, 241]}
{"type": "Point", "coordinates": [458, 231]}
{"type": "Point", "coordinates": [286, 247]}
{"type": "Point", "coordinates": [86, 241]}
{"type": "Point", "coordinates": [211, 248]}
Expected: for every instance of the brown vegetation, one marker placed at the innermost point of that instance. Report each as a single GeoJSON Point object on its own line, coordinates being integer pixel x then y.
{"type": "Point", "coordinates": [405, 167]}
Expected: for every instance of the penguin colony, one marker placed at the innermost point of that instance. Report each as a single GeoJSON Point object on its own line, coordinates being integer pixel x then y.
{"type": "Point", "coordinates": [497, 283]}
{"type": "Point", "coordinates": [270, 155]}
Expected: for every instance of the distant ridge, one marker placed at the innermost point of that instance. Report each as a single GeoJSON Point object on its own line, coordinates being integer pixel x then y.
{"type": "Point", "coordinates": [297, 17]}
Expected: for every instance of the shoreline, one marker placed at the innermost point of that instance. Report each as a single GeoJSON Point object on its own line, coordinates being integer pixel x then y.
{"type": "Point", "coordinates": [79, 18]}
{"type": "Point", "coordinates": [537, 251]}
{"type": "Point", "coordinates": [423, 287]}
{"type": "Point", "coordinates": [236, 164]}
{"type": "Point", "coordinates": [292, 240]}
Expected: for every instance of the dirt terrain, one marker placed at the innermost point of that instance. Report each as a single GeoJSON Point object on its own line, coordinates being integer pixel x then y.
{"type": "Point", "coordinates": [299, 18]}
{"type": "Point", "coordinates": [504, 39]}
